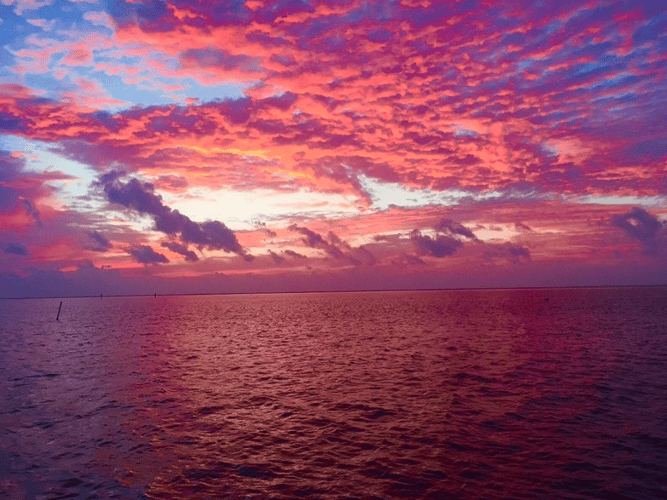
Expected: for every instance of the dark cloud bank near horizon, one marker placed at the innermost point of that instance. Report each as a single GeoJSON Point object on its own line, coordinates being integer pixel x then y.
{"type": "Point", "coordinates": [141, 197]}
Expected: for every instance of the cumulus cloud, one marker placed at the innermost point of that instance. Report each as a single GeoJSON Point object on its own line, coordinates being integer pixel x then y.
{"type": "Point", "coordinates": [16, 249]}
{"type": "Point", "coordinates": [508, 251]}
{"type": "Point", "coordinates": [295, 255]}
{"type": "Point", "coordinates": [22, 189]}
{"type": "Point", "coordinates": [335, 247]}
{"type": "Point", "coordinates": [100, 243]}
{"type": "Point", "coordinates": [645, 228]}
{"type": "Point", "coordinates": [450, 237]}
{"type": "Point", "coordinates": [454, 228]}
{"type": "Point", "coordinates": [9, 173]}
{"type": "Point", "coordinates": [440, 246]}
{"type": "Point", "coordinates": [261, 226]}
{"type": "Point", "coordinates": [31, 210]}
{"type": "Point", "coordinates": [374, 95]}
{"type": "Point", "coordinates": [404, 260]}
{"type": "Point", "coordinates": [146, 255]}
{"type": "Point", "coordinates": [140, 196]}
{"type": "Point", "coordinates": [522, 227]}
{"type": "Point", "coordinates": [179, 248]}
{"type": "Point", "coordinates": [278, 259]}
{"type": "Point", "coordinates": [315, 240]}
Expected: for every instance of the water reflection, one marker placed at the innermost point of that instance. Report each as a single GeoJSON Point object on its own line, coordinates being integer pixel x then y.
{"type": "Point", "coordinates": [332, 395]}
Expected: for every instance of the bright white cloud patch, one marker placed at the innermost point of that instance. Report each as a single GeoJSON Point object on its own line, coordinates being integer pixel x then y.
{"type": "Point", "coordinates": [386, 194]}
{"type": "Point", "coordinates": [241, 209]}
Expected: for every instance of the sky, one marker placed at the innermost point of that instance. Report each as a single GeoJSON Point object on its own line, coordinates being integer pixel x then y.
{"type": "Point", "coordinates": [178, 146]}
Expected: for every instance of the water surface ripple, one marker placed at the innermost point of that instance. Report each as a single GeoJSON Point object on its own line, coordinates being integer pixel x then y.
{"type": "Point", "coordinates": [439, 395]}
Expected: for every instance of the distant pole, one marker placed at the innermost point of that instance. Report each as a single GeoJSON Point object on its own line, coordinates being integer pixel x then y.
{"type": "Point", "coordinates": [155, 295]}
{"type": "Point", "coordinates": [59, 308]}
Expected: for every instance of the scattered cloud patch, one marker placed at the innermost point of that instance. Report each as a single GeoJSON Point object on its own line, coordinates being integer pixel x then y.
{"type": "Point", "coordinates": [454, 228]}
{"type": "Point", "coordinates": [258, 224]}
{"type": "Point", "coordinates": [32, 211]}
{"type": "Point", "coordinates": [294, 255]}
{"type": "Point", "coordinates": [522, 227]}
{"type": "Point", "coordinates": [20, 6]}
{"type": "Point", "coordinates": [278, 259]}
{"type": "Point", "coordinates": [181, 249]}
{"type": "Point", "coordinates": [99, 18]}
{"type": "Point", "coordinates": [42, 23]}
{"type": "Point", "coordinates": [16, 249]}
{"type": "Point", "coordinates": [140, 197]}
{"type": "Point", "coordinates": [440, 246]}
{"type": "Point", "coordinates": [506, 251]}
{"type": "Point", "coordinates": [144, 254]}
{"type": "Point", "coordinates": [405, 260]}
{"type": "Point", "coordinates": [100, 243]}
{"type": "Point", "coordinates": [335, 247]}
{"type": "Point", "coordinates": [646, 228]}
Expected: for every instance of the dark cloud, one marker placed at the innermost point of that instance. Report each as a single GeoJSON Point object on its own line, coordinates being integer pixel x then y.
{"type": "Point", "coordinates": [146, 255]}
{"type": "Point", "coordinates": [335, 247]}
{"type": "Point", "coordinates": [10, 123]}
{"type": "Point", "coordinates": [440, 246]}
{"type": "Point", "coordinates": [16, 249]}
{"type": "Point", "coordinates": [315, 240]}
{"type": "Point", "coordinates": [262, 227]}
{"type": "Point", "coordinates": [31, 211]}
{"type": "Point", "coordinates": [295, 255]}
{"type": "Point", "coordinates": [454, 228]}
{"type": "Point", "coordinates": [86, 280]}
{"type": "Point", "coordinates": [19, 187]}
{"type": "Point", "coordinates": [101, 244]}
{"type": "Point", "coordinates": [522, 227]}
{"type": "Point", "coordinates": [276, 258]}
{"type": "Point", "coordinates": [179, 248]}
{"type": "Point", "coordinates": [364, 255]}
{"type": "Point", "coordinates": [645, 228]}
{"type": "Point", "coordinates": [140, 197]}
{"type": "Point", "coordinates": [356, 255]}
{"type": "Point", "coordinates": [508, 251]}
{"type": "Point", "coordinates": [404, 260]}
{"type": "Point", "coordinates": [518, 252]}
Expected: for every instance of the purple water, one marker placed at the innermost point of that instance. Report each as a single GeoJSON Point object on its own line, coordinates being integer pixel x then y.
{"type": "Point", "coordinates": [464, 394]}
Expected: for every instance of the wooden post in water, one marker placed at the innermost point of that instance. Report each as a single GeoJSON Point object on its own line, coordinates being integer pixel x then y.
{"type": "Point", "coordinates": [59, 308]}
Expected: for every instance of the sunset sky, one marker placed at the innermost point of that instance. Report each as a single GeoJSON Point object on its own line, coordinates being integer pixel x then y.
{"type": "Point", "coordinates": [204, 146]}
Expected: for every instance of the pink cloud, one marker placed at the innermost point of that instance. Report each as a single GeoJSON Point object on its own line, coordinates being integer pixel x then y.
{"type": "Point", "coordinates": [80, 56]}
{"type": "Point", "coordinates": [42, 23]}
{"type": "Point", "coordinates": [527, 110]}
{"type": "Point", "coordinates": [99, 18]}
{"type": "Point", "coordinates": [20, 6]}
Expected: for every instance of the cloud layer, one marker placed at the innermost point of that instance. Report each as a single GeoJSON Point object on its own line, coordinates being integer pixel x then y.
{"type": "Point", "coordinates": [140, 196]}
{"type": "Point", "coordinates": [407, 140]}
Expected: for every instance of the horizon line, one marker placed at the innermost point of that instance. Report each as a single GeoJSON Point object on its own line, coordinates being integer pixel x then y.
{"type": "Point", "coordinates": [460, 289]}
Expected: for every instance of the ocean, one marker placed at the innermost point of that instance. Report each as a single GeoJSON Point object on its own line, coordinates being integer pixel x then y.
{"type": "Point", "coordinates": [493, 394]}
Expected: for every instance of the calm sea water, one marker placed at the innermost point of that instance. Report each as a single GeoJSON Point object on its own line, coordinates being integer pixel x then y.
{"type": "Point", "coordinates": [466, 394]}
